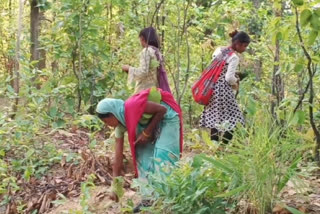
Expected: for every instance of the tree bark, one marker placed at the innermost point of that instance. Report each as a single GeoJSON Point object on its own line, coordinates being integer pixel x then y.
{"type": "Point", "coordinates": [34, 36]}
{"type": "Point", "coordinates": [17, 59]}
{"type": "Point", "coordinates": [257, 67]}
{"type": "Point", "coordinates": [277, 81]}
{"type": "Point", "coordinates": [42, 52]}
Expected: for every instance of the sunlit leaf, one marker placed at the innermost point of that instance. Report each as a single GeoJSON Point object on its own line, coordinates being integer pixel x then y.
{"type": "Point", "coordinates": [312, 37]}
{"type": "Point", "coordinates": [305, 17]}
{"type": "Point", "coordinates": [297, 2]}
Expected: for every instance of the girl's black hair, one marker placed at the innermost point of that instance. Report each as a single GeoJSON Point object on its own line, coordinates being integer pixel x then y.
{"type": "Point", "coordinates": [102, 116]}
{"type": "Point", "coordinates": [150, 36]}
{"type": "Point", "coordinates": [241, 37]}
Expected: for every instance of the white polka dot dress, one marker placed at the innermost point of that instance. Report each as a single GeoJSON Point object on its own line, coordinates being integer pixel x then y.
{"type": "Point", "coordinates": [222, 112]}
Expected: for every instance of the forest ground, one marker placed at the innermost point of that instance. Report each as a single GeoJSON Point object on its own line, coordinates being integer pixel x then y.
{"type": "Point", "coordinates": [60, 190]}
{"type": "Point", "coordinates": [65, 178]}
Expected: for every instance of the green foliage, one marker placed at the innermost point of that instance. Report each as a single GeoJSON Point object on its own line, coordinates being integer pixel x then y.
{"type": "Point", "coordinates": [255, 168]}
{"type": "Point", "coordinates": [117, 186]}
{"type": "Point", "coordinates": [85, 194]}
{"type": "Point", "coordinates": [86, 42]}
{"type": "Point", "coordinates": [298, 2]}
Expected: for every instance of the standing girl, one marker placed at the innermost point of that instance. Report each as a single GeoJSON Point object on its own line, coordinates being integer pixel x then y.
{"type": "Point", "coordinates": [222, 114]}
{"type": "Point", "coordinates": [151, 72]}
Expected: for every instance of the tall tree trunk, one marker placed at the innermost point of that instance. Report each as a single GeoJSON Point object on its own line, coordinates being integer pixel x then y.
{"type": "Point", "coordinates": [34, 36]}
{"type": "Point", "coordinates": [42, 51]}
{"type": "Point", "coordinates": [257, 67]}
{"type": "Point", "coordinates": [11, 60]}
{"type": "Point", "coordinates": [17, 59]}
{"type": "Point", "coordinates": [80, 60]}
{"type": "Point", "coordinates": [277, 81]}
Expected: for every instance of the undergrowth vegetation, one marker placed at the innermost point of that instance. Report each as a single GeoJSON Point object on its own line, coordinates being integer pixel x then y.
{"type": "Point", "coordinates": [246, 176]}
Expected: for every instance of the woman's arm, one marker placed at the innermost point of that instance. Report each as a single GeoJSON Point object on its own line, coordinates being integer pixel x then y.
{"type": "Point", "coordinates": [233, 63]}
{"type": "Point", "coordinates": [158, 111]}
{"type": "Point", "coordinates": [118, 157]}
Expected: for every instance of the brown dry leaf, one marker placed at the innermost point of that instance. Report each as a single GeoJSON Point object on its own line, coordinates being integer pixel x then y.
{"type": "Point", "coordinates": [58, 180]}
{"type": "Point", "coordinates": [73, 193]}
{"type": "Point", "coordinates": [303, 209]}
{"type": "Point", "coordinates": [316, 204]}
{"type": "Point", "coordinates": [63, 161]}
{"type": "Point", "coordinates": [43, 205]}
{"type": "Point", "coordinates": [102, 179]}
{"type": "Point", "coordinates": [291, 192]}
{"type": "Point", "coordinates": [31, 204]}
{"type": "Point", "coordinates": [65, 133]}
{"type": "Point", "coordinates": [69, 172]}
{"type": "Point", "coordinates": [101, 195]}
{"type": "Point", "coordinates": [130, 193]}
{"type": "Point", "coordinates": [277, 209]}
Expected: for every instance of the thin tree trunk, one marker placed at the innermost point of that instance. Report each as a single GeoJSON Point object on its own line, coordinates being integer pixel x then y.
{"type": "Point", "coordinates": [17, 59]}
{"type": "Point", "coordinates": [42, 52]}
{"type": "Point", "coordinates": [277, 81]}
{"type": "Point", "coordinates": [34, 36]}
{"type": "Point", "coordinates": [11, 60]}
{"type": "Point", "coordinates": [163, 23]}
{"type": "Point", "coordinates": [257, 67]}
{"type": "Point", "coordinates": [177, 76]}
{"type": "Point", "coordinates": [80, 61]}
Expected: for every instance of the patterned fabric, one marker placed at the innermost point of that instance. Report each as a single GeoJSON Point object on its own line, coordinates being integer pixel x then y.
{"type": "Point", "coordinates": [222, 112]}
{"type": "Point", "coordinates": [144, 76]}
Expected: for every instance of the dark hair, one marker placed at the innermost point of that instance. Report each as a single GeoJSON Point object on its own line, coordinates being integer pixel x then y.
{"type": "Point", "coordinates": [150, 36]}
{"type": "Point", "coordinates": [102, 116]}
{"type": "Point", "coordinates": [241, 36]}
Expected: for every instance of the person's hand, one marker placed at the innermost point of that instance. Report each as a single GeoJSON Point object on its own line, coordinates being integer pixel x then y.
{"type": "Point", "coordinates": [125, 68]}
{"type": "Point", "coordinates": [143, 138]}
{"type": "Point", "coordinates": [114, 197]}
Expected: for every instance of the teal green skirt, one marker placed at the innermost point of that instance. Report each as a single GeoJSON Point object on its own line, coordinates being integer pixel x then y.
{"type": "Point", "coordinates": [159, 156]}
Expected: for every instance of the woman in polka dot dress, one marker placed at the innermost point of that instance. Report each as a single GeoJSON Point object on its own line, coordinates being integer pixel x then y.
{"type": "Point", "coordinates": [222, 114]}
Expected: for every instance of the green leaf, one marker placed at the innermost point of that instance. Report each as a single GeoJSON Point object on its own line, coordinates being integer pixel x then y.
{"type": "Point", "coordinates": [317, 12]}
{"type": "Point", "coordinates": [2, 153]}
{"type": "Point", "coordinates": [284, 179]}
{"type": "Point", "coordinates": [312, 37]}
{"type": "Point", "coordinates": [301, 117]}
{"type": "Point", "coordinates": [293, 210]}
{"type": "Point", "coordinates": [232, 192]}
{"type": "Point", "coordinates": [297, 2]}
{"type": "Point", "coordinates": [315, 22]}
{"type": "Point", "coordinates": [279, 36]}
{"type": "Point", "coordinates": [218, 164]}
{"type": "Point", "coordinates": [251, 106]}
{"type": "Point", "coordinates": [30, 153]}
{"type": "Point", "coordinates": [298, 68]}
{"type": "Point", "coordinates": [53, 112]}
{"type": "Point", "coordinates": [305, 17]}
{"type": "Point", "coordinates": [28, 172]}
{"type": "Point", "coordinates": [117, 186]}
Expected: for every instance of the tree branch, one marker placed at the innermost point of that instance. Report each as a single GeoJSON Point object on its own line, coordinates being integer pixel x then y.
{"type": "Point", "coordinates": [156, 11]}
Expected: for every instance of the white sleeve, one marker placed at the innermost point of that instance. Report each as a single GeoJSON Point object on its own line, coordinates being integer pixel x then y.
{"type": "Point", "coordinates": [216, 52]}
{"type": "Point", "coordinates": [145, 58]}
{"type": "Point", "coordinates": [232, 68]}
